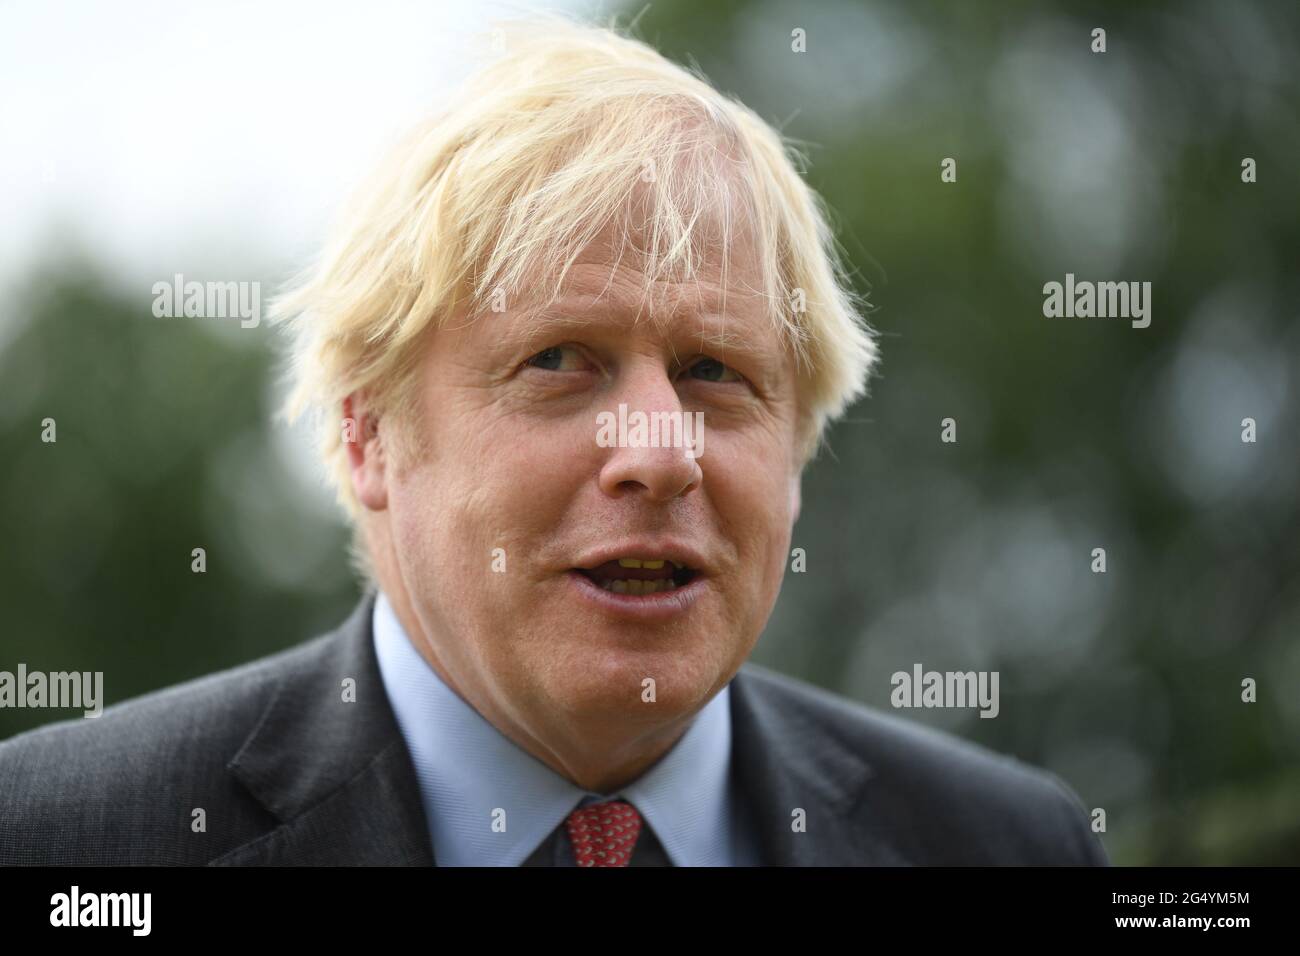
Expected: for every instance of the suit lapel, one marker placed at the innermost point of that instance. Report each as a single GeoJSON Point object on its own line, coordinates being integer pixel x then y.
{"type": "Point", "coordinates": [336, 774]}
{"type": "Point", "coordinates": [786, 757]}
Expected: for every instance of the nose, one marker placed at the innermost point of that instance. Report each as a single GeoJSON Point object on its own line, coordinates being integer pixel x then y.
{"type": "Point", "coordinates": [648, 408]}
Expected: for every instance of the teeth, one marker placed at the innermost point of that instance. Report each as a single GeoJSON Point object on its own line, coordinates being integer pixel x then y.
{"type": "Point", "coordinates": [637, 587]}
{"type": "Point", "coordinates": [654, 565]}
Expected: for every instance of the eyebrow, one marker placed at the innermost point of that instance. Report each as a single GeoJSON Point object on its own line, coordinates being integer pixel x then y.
{"type": "Point", "coordinates": [566, 316]}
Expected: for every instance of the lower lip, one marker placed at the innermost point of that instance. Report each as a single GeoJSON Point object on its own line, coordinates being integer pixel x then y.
{"type": "Point", "coordinates": [660, 606]}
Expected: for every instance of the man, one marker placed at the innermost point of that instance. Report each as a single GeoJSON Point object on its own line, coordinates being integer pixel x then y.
{"type": "Point", "coordinates": [569, 355]}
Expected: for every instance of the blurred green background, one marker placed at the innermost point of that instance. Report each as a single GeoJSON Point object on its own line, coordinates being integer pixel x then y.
{"type": "Point", "coordinates": [1073, 434]}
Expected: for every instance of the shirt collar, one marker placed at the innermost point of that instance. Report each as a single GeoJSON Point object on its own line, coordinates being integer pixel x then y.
{"type": "Point", "coordinates": [491, 803]}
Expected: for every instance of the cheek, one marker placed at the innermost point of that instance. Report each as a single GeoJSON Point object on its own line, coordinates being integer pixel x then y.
{"type": "Point", "coordinates": [775, 538]}
{"type": "Point", "coordinates": [503, 487]}
{"type": "Point", "coordinates": [750, 475]}
{"type": "Point", "coordinates": [421, 524]}
{"type": "Point", "coordinates": [753, 500]}
{"type": "Point", "coordinates": [434, 498]}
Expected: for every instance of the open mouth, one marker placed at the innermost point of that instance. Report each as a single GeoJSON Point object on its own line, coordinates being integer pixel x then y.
{"type": "Point", "coordinates": [639, 576]}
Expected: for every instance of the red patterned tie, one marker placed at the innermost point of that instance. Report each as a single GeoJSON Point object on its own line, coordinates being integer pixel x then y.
{"type": "Point", "coordinates": [604, 834]}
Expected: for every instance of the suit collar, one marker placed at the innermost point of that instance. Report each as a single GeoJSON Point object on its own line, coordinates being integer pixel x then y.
{"type": "Point", "coordinates": [335, 774]}
{"type": "Point", "coordinates": [790, 753]}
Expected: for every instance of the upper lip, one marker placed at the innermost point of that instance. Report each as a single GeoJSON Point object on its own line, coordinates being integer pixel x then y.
{"type": "Point", "coordinates": [654, 549]}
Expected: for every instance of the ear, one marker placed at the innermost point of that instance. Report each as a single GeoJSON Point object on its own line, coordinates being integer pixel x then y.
{"type": "Point", "coordinates": [365, 451]}
{"type": "Point", "coordinates": [796, 495]}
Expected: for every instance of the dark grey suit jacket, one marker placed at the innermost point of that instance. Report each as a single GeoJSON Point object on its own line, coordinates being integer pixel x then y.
{"type": "Point", "coordinates": [286, 772]}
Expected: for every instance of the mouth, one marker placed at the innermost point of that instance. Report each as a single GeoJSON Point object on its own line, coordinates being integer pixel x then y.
{"type": "Point", "coordinates": [639, 576]}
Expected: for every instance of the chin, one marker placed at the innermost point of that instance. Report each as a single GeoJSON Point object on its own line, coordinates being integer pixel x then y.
{"type": "Point", "coordinates": [617, 683]}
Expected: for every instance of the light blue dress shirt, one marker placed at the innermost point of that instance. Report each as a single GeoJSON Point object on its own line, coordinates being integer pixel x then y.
{"type": "Point", "coordinates": [467, 769]}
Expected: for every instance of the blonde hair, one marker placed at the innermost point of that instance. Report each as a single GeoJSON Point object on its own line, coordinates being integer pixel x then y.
{"type": "Point", "coordinates": [545, 147]}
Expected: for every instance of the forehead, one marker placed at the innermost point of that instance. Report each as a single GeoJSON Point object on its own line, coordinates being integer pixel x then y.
{"type": "Point", "coordinates": [614, 284]}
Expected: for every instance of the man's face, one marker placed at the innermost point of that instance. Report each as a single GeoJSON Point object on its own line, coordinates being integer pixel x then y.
{"type": "Point", "coordinates": [540, 633]}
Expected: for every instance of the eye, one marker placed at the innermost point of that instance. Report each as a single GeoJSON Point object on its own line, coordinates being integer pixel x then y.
{"type": "Point", "coordinates": [711, 370]}
{"type": "Point", "coordinates": [559, 358]}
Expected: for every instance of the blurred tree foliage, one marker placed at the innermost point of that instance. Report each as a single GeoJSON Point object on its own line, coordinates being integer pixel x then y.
{"type": "Point", "coordinates": [163, 445]}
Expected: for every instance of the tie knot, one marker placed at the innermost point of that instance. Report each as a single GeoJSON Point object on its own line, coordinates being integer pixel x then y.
{"type": "Point", "coordinates": [604, 834]}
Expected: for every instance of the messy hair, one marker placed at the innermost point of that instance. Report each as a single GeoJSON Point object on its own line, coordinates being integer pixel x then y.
{"type": "Point", "coordinates": [569, 131]}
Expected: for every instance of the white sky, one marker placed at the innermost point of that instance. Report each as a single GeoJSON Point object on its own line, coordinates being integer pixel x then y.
{"type": "Point", "coordinates": [209, 138]}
